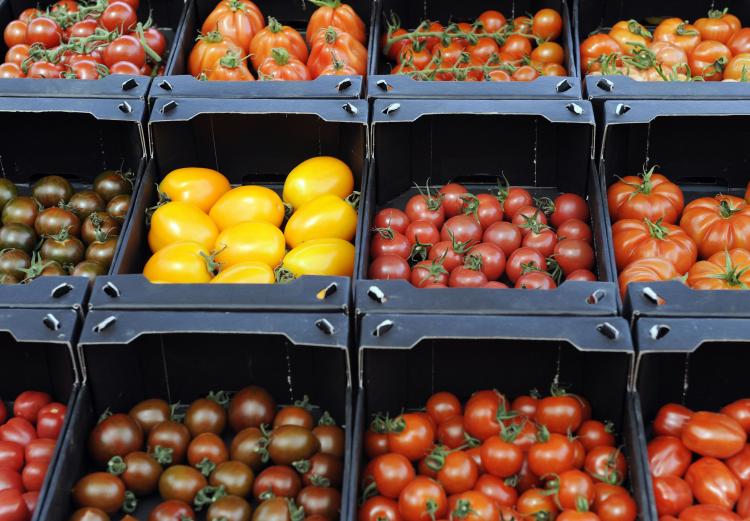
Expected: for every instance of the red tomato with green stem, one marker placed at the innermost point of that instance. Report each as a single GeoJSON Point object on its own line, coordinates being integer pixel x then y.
{"type": "Point", "coordinates": [552, 454]}
{"type": "Point", "coordinates": [456, 470]}
{"type": "Point", "coordinates": [570, 485]}
{"type": "Point", "coordinates": [492, 260]}
{"type": "Point", "coordinates": [535, 503]}
{"type": "Point", "coordinates": [379, 508]}
{"type": "Point", "coordinates": [422, 232]}
{"type": "Point", "coordinates": [547, 24]}
{"type": "Point", "coordinates": [452, 253]}
{"type": "Point", "coordinates": [473, 506]}
{"type": "Point", "coordinates": [560, 413]}
{"type": "Point", "coordinates": [470, 275]}
{"type": "Point", "coordinates": [620, 507]}
{"type": "Point", "coordinates": [649, 195]}
{"type": "Point", "coordinates": [33, 475]}
{"type": "Point", "coordinates": [565, 207]}
{"type": "Point", "coordinates": [526, 405]}
{"type": "Point", "coordinates": [485, 208]}
{"type": "Point", "coordinates": [593, 433]}
{"type": "Point", "coordinates": [501, 491]}
{"type": "Point", "coordinates": [411, 435]}
{"type": "Point", "coordinates": [500, 456]}
{"type": "Point", "coordinates": [452, 194]}
{"type": "Point", "coordinates": [426, 207]}
{"type": "Point", "coordinates": [504, 235]}
{"type": "Point", "coordinates": [483, 412]}
{"type": "Point", "coordinates": [513, 198]}
{"type": "Point", "coordinates": [45, 31]}
{"type": "Point", "coordinates": [529, 218]}
{"type": "Point", "coordinates": [461, 228]}
{"type": "Point", "coordinates": [429, 272]}
{"type": "Point", "coordinates": [13, 506]}
{"type": "Point", "coordinates": [385, 241]}
{"type": "Point", "coordinates": [423, 499]}
{"type": "Point", "coordinates": [392, 218]}
{"type": "Point", "coordinates": [606, 464]}
{"type": "Point", "coordinates": [536, 280]}
{"type": "Point", "coordinates": [119, 16]}
{"type": "Point", "coordinates": [543, 240]}
{"type": "Point", "coordinates": [524, 260]}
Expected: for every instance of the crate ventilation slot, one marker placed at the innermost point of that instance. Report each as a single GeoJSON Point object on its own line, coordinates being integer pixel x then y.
{"type": "Point", "coordinates": [621, 109]}
{"type": "Point", "coordinates": [130, 83]}
{"type": "Point", "coordinates": [104, 324]}
{"type": "Point", "coordinates": [608, 330]}
{"type": "Point", "coordinates": [563, 86]}
{"type": "Point", "coordinates": [325, 326]}
{"type": "Point", "coordinates": [51, 322]}
{"type": "Point", "coordinates": [383, 85]}
{"type": "Point", "coordinates": [390, 109]}
{"type": "Point", "coordinates": [350, 108]}
{"type": "Point", "coordinates": [344, 84]}
{"type": "Point", "coordinates": [376, 294]}
{"type": "Point", "coordinates": [164, 84]}
{"type": "Point", "coordinates": [168, 106]}
{"type": "Point", "coordinates": [659, 331]}
{"type": "Point", "coordinates": [111, 290]}
{"type": "Point", "coordinates": [382, 328]}
{"type": "Point", "coordinates": [327, 291]}
{"type": "Point", "coordinates": [605, 85]}
{"type": "Point", "coordinates": [596, 296]}
{"type": "Point", "coordinates": [575, 108]}
{"type": "Point", "coordinates": [61, 290]}
{"type": "Point", "coordinates": [125, 107]}
{"type": "Point", "coordinates": [652, 296]}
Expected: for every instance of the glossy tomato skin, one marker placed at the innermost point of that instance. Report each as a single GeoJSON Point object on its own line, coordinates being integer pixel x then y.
{"type": "Point", "coordinates": [50, 420]}
{"type": "Point", "coordinates": [501, 458]}
{"type": "Point", "coordinates": [713, 435]}
{"type": "Point", "coordinates": [593, 433]}
{"type": "Point", "coordinates": [607, 464]}
{"type": "Point", "coordinates": [522, 257]}
{"type": "Point", "coordinates": [634, 239]}
{"type": "Point", "coordinates": [534, 502]}
{"type": "Point", "coordinates": [713, 483]}
{"type": "Point", "coordinates": [422, 232]}
{"type": "Point", "coordinates": [13, 507]}
{"type": "Point", "coordinates": [172, 436]}
{"type": "Point", "coordinates": [11, 455]}
{"type": "Point", "coordinates": [740, 411]}
{"type": "Point", "coordinates": [573, 254]}
{"type": "Point", "coordinates": [514, 198]}
{"type": "Point", "coordinates": [560, 414]}
{"type": "Point", "coordinates": [18, 430]}
{"type": "Point", "coordinates": [668, 456]}
{"type": "Point", "coordinates": [171, 510]}
{"type": "Point", "coordinates": [149, 413]}
{"type": "Point", "coordinates": [569, 206]}
{"type": "Point", "coordinates": [181, 482]}
{"type": "Point", "coordinates": [10, 479]}
{"type": "Point", "coordinates": [425, 208]}
{"type": "Point", "coordinates": [452, 198]}
{"type": "Point", "coordinates": [379, 509]}
{"type": "Point", "coordinates": [504, 235]}
{"type": "Point", "coordinates": [415, 497]}
{"type": "Point", "coordinates": [708, 513]}
{"type": "Point", "coordinates": [555, 455]}
{"type": "Point", "coordinates": [116, 435]}
{"type": "Point", "coordinates": [672, 495]}
{"type": "Point", "coordinates": [28, 403]}
{"type": "Point", "coordinates": [280, 480]}
{"type": "Point", "coordinates": [740, 465]}
{"type": "Point", "coordinates": [574, 229]}
{"type": "Point", "coordinates": [493, 260]}
{"type": "Point", "coordinates": [99, 490]}
{"type": "Point", "coordinates": [650, 196]}
{"type": "Point", "coordinates": [481, 411]}
{"type": "Point", "coordinates": [497, 490]}
{"type": "Point", "coordinates": [415, 439]}
{"type": "Point", "coordinates": [251, 407]}
{"type": "Point", "coordinates": [392, 472]}
{"type": "Point", "coordinates": [389, 267]}
{"type": "Point", "coordinates": [33, 475]}
{"type": "Point", "coordinates": [451, 432]}
{"type": "Point", "coordinates": [671, 419]}
{"type": "Point", "coordinates": [465, 277]}
{"type": "Point", "coordinates": [462, 228]}
{"type": "Point", "coordinates": [442, 406]}
{"type": "Point", "coordinates": [389, 243]}
{"type": "Point", "coordinates": [620, 507]}
{"type": "Point", "coordinates": [717, 224]}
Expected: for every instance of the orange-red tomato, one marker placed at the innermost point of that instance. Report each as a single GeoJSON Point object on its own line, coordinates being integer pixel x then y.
{"type": "Point", "coordinates": [714, 28]}
{"type": "Point", "coordinates": [275, 36]}
{"type": "Point", "coordinates": [282, 66]}
{"type": "Point", "coordinates": [650, 269]}
{"type": "Point", "coordinates": [649, 195]}
{"type": "Point", "coordinates": [708, 60]}
{"type": "Point", "coordinates": [678, 32]}
{"type": "Point", "coordinates": [723, 270]}
{"type": "Point", "coordinates": [334, 13]}
{"type": "Point", "coordinates": [208, 51]}
{"type": "Point", "coordinates": [713, 483]}
{"type": "Point", "coordinates": [596, 46]}
{"type": "Point", "coordinates": [714, 435]}
{"type": "Point", "coordinates": [635, 239]}
{"type": "Point", "coordinates": [740, 42]}
{"type": "Point", "coordinates": [333, 44]}
{"type": "Point", "coordinates": [738, 68]}
{"type": "Point", "coordinates": [231, 67]}
{"type": "Point", "coordinates": [238, 20]}
{"type": "Point", "coordinates": [717, 224]}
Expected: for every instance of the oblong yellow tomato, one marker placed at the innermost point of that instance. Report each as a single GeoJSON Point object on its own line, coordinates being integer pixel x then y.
{"type": "Point", "coordinates": [327, 217]}
{"type": "Point", "coordinates": [247, 204]}
{"type": "Point", "coordinates": [179, 222]}
{"type": "Point", "coordinates": [259, 241]}
{"type": "Point", "coordinates": [315, 177]}
{"type": "Point", "coordinates": [245, 273]}
{"type": "Point", "coordinates": [199, 186]}
{"type": "Point", "coordinates": [180, 263]}
{"type": "Point", "coordinates": [321, 257]}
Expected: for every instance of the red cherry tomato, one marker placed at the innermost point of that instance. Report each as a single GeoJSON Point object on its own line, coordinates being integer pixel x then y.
{"type": "Point", "coordinates": [452, 202]}
{"type": "Point", "coordinates": [392, 472]}
{"type": "Point", "coordinates": [461, 228]}
{"type": "Point", "coordinates": [386, 241]}
{"type": "Point", "coordinates": [504, 235]}
{"type": "Point", "coordinates": [584, 275]}
{"type": "Point", "coordinates": [566, 207]}
{"type": "Point", "coordinates": [422, 232]}
{"type": "Point", "coordinates": [45, 31]}
{"type": "Point", "coordinates": [671, 419]}
{"type": "Point", "coordinates": [443, 406]}
{"type": "Point", "coordinates": [493, 259]}
{"type": "Point", "coordinates": [426, 208]}
{"type": "Point", "coordinates": [513, 199]}
{"type": "Point", "coordinates": [560, 413]}
{"type": "Point", "coordinates": [535, 280]}
{"type": "Point", "coordinates": [392, 218]}
{"type": "Point", "coordinates": [412, 436]}
{"type": "Point", "coordinates": [573, 254]}
{"type": "Point", "coordinates": [465, 277]}
{"type": "Point", "coordinates": [33, 475]}
{"type": "Point", "coordinates": [18, 430]}
{"type": "Point", "coordinates": [667, 456]}
{"type": "Point", "coordinates": [50, 420]}
{"type": "Point", "coordinates": [389, 267]}
{"type": "Point", "coordinates": [574, 229]}
{"type": "Point", "coordinates": [40, 450]}
{"type": "Point", "coordinates": [485, 208]}
{"type": "Point", "coordinates": [522, 260]}
{"type": "Point", "coordinates": [607, 464]}
{"type": "Point", "coordinates": [593, 433]}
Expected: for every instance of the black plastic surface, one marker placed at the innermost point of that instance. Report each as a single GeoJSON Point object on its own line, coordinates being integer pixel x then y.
{"type": "Point", "coordinates": [412, 356]}
{"type": "Point", "coordinates": [682, 139]}
{"type": "Point", "coordinates": [78, 140]}
{"type": "Point", "coordinates": [382, 84]}
{"type": "Point", "coordinates": [37, 354]}
{"type": "Point", "coordinates": [701, 364]}
{"type": "Point", "coordinates": [167, 16]}
{"type": "Point", "coordinates": [289, 12]}
{"type": "Point", "coordinates": [140, 355]}
{"type": "Point", "coordinates": [596, 15]}
{"type": "Point", "coordinates": [249, 141]}
{"type": "Point", "coordinates": [543, 145]}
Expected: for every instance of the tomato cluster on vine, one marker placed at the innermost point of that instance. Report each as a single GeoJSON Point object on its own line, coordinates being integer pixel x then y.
{"type": "Point", "coordinates": [492, 48]}
{"type": "Point", "coordinates": [454, 238]}
{"type": "Point", "coordinates": [82, 40]}
{"type": "Point", "coordinates": [27, 444]}
{"type": "Point", "coordinates": [709, 249]}
{"type": "Point", "coordinates": [715, 48]}
{"type": "Point", "coordinates": [334, 44]}
{"type": "Point", "coordinates": [492, 458]}
{"type": "Point", "coordinates": [241, 459]}
{"type": "Point", "coordinates": [700, 463]}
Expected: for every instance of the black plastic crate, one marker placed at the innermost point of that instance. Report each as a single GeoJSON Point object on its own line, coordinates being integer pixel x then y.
{"type": "Point", "coordinates": [295, 13]}
{"type": "Point", "coordinates": [594, 15]}
{"type": "Point", "coordinates": [543, 145]}
{"type": "Point", "coordinates": [79, 139]}
{"type": "Point", "coordinates": [382, 84]}
{"type": "Point", "coordinates": [406, 358]}
{"type": "Point", "coordinates": [130, 356]}
{"type": "Point", "coordinates": [249, 141]}
{"type": "Point", "coordinates": [38, 354]}
{"type": "Point", "coordinates": [167, 15]}
{"type": "Point", "coordinates": [681, 138]}
{"type": "Point", "coordinates": [680, 360]}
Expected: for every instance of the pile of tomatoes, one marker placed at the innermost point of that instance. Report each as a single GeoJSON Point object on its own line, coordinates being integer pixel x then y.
{"type": "Point", "coordinates": [714, 48]}
{"type": "Point", "coordinates": [27, 443]}
{"type": "Point", "coordinates": [454, 238]}
{"type": "Point", "coordinates": [700, 463]}
{"type": "Point", "coordinates": [206, 231]}
{"type": "Point", "coordinates": [279, 460]}
{"type": "Point", "coordinates": [82, 40]}
{"type": "Point", "coordinates": [335, 43]}
{"type": "Point", "coordinates": [490, 459]}
{"type": "Point", "coordinates": [709, 249]}
{"type": "Point", "coordinates": [492, 48]}
{"type": "Point", "coordinates": [57, 231]}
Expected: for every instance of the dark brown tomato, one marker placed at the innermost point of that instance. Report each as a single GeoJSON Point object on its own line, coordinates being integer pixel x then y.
{"type": "Point", "coordinates": [99, 490]}
{"type": "Point", "coordinates": [205, 415]}
{"type": "Point", "coordinates": [89, 269]}
{"type": "Point", "coordinates": [237, 478]}
{"type": "Point", "coordinates": [280, 480]}
{"type": "Point", "coordinates": [207, 446]}
{"type": "Point", "coordinates": [116, 435]}
{"type": "Point", "coordinates": [89, 514]}
{"type": "Point", "coordinates": [320, 501]}
{"type": "Point", "coordinates": [140, 472]}
{"type": "Point", "coordinates": [291, 443]}
{"type": "Point", "coordinates": [21, 210]}
{"type": "Point", "coordinates": [170, 435]}
{"type": "Point", "coordinates": [52, 221]}
{"type": "Point", "coordinates": [111, 183]}
{"type": "Point", "coordinates": [293, 415]}
{"type": "Point", "coordinates": [275, 509]}
{"type": "Point", "coordinates": [8, 190]}
{"type": "Point", "coordinates": [331, 438]}
{"type": "Point", "coordinates": [574, 229]}
{"type": "Point", "coordinates": [244, 446]}
{"type": "Point", "coordinates": [504, 235]}
{"type": "Point", "coordinates": [181, 482]}
{"type": "Point", "coordinates": [84, 203]}
{"type": "Point", "coordinates": [150, 413]}
{"type": "Point", "coordinates": [171, 510]}
{"type": "Point", "coordinates": [321, 466]}
{"type": "Point", "coordinates": [62, 248]}
{"type": "Point", "coordinates": [19, 236]}
{"type": "Point", "coordinates": [102, 252]}
{"type": "Point", "coordinates": [52, 190]}
{"type": "Point", "coordinates": [13, 262]}
{"type": "Point", "coordinates": [97, 225]}
{"type": "Point", "coordinates": [230, 508]}
{"type": "Point", "coordinates": [118, 206]}
{"type": "Point", "coordinates": [251, 407]}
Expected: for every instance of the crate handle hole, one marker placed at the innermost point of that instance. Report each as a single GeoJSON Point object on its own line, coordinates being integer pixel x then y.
{"type": "Point", "coordinates": [659, 331]}
{"type": "Point", "coordinates": [596, 296]}
{"type": "Point", "coordinates": [104, 324]}
{"type": "Point", "coordinates": [575, 108]}
{"type": "Point", "coordinates": [51, 322]}
{"type": "Point", "coordinates": [376, 294]}
{"type": "Point", "coordinates": [621, 109]}
{"type": "Point", "coordinates": [325, 326]}
{"type": "Point", "coordinates": [382, 328]}
{"type": "Point", "coordinates": [383, 85]}
{"type": "Point", "coordinates": [130, 83]}
{"type": "Point", "coordinates": [608, 330]}
{"type": "Point", "coordinates": [125, 107]}
{"type": "Point", "coordinates": [350, 108]}
{"type": "Point", "coordinates": [344, 84]}
{"type": "Point", "coordinates": [168, 106]}
{"type": "Point", "coordinates": [563, 86]}
{"type": "Point", "coordinates": [390, 109]}
{"type": "Point", "coordinates": [164, 84]}
{"type": "Point", "coordinates": [653, 297]}
{"type": "Point", "coordinates": [111, 290]}
{"type": "Point", "coordinates": [327, 291]}
{"type": "Point", "coordinates": [62, 289]}
{"type": "Point", "coordinates": [605, 85]}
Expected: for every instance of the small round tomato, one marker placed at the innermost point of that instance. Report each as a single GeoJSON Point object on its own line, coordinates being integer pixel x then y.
{"type": "Point", "coordinates": [469, 276]}
{"type": "Point", "coordinates": [422, 499]}
{"type": "Point", "coordinates": [667, 456]}
{"type": "Point", "coordinates": [386, 241]}
{"type": "Point", "coordinates": [461, 228]}
{"type": "Point", "coordinates": [501, 457]}
{"type": "Point", "coordinates": [547, 24]}
{"type": "Point", "coordinates": [425, 207]}
{"type": "Point", "coordinates": [452, 194]}
{"type": "Point", "coordinates": [451, 432]}
{"type": "Point", "coordinates": [33, 475]}
{"type": "Point", "coordinates": [552, 454]}
{"type": "Point", "coordinates": [514, 198]}
{"type": "Point", "coordinates": [392, 218]}
{"type": "Point", "coordinates": [379, 508]}
{"type": "Point", "coordinates": [529, 218]}
{"type": "Point", "coordinates": [458, 473]}
{"type": "Point", "coordinates": [544, 241]}
{"type": "Point", "coordinates": [672, 495]}
{"type": "Point", "coordinates": [170, 511]}
{"type": "Point", "coordinates": [482, 413]}
{"type": "Point", "coordinates": [498, 490]}
{"type": "Point", "coordinates": [389, 267]}
{"type": "Point", "coordinates": [571, 485]}
{"type": "Point", "coordinates": [99, 490]}
{"type": "Point", "coordinates": [524, 260]}
{"type": "Point", "coordinates": [485, 208]}
{"type": "Point", "coordinates": [116, 435]}
{"type": "Point", "coordinates": [39, 450]}
{"type": "Point", "coordinates": [607, 464]}
{"type": "Point", "coordinates": [427, 272]}
{"type": "Point", "coordinates": [492, 260]}
{"type": "Point", "coordinates": [392, 472]}
{"type": "Point", "coordinates": [504, 235]}
{"type": "Point", "coordinates": [443, 406]}
{"type": "Point", "coordinates": [573, 254]}
{"type": "Point", "coordinates": [713, 435]}
{"type": "Point", "coordinates": [28, 404]}
{"type": "Point", "coordinates": [620, 507]}
{"type": "Point", "coordinates": [536, 280]}
{"type": "Point", "coordinates": [422, 232]}
{"type": "Point", "coordinates": [411, 435]}
{"type": "Point", "coordinates": [593, 433]}
{"type": "Point", "coordinates": [560, 413]}
{"type": "Point", "coordinates": [473, 506]}
{"type": "Point", "coordinates": [537, 504]}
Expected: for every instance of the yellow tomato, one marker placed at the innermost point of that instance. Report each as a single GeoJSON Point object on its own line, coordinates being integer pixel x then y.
{"type": "Point", "coordinates": [315, 177]}
{"type": "Point", "coordinates": [247, 204]}
{"type": "Point", "coordinates": [245, 242]}
{"type": "Point", "coordinates": [178, 222]}
{"type": "Point", "coordinates": [181, 263]}
{"type": "Point", "coordinates": [200, 186]}
{"type": "Point", "coordinates": [321, 257]}
{"type": "Point", "coordinates": [327, 217]}
{"type": "Point", "coordinates": [245, 273]}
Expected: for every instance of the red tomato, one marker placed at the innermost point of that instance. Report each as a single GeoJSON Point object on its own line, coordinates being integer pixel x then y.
{"type": "Point", "coordinates": [443, 406]}
{"type": "Point", "coordinates": [385, 241]}
{"type": "Point", "coordinates": [392, 472]}
{"type": "Point", "coordinates": [526, 405]}
{"type": "Point", "coordinates": [376, 443]}
{"type": "Point", "coordinates": [451, 253]}
{"type": "Point", "coordinates": [461, 228]}
{"type": "Point", "coordinates": [45, 31]}
{"type": "Point", "coordinates": [595, 47]}
{"type": "Point", "coordinates": [513, 199]}
{"type": "Point", "coordinates": [740, 465]}
{"type": "Point", "coordinates": [458, 474]}
{"type": "Point", "coordinates": [422, 232]}
{"type": "Point", "coordinates": [708, 58]}
{"type": "Point", "coordinates": [498, 490]}
{"type": "Point", "coordinates": [493, 284]}
{"type": "Point", "coordinates": [31, 499]}
{"type": "Point", "coordinates": [13, 507]}
{"type": "Point", "coordinates": [560, 413]}
{"type": "Point", "coordinates": [602, 491]}
{"type": "Point", "coordinates": [573, 254]}
{"type": "Point", "coordinates": [451, 432]}
{"type": "Point", "coordinates": [155, 40]}
{"type": "Point", "coordinates": [15, 33]}
{"type": "Point", "coordinates": [584, 275]}
{"type": "Point", "coordinates": [743, 504]}
{"type": "Point", "coordinates": [426, 273]}
{"type": "Point", "coordinates": [10, 479]}
{"type": "Point", "coordinates": [524, 260]}
{"type": "Point", "coordinates": [543, 241]}
{"type": "Point", "coordinates": [553, 454]}
{"type": "Point", "coordinates": [40, 450]}
{"type": "Point", "coordinates": [501, 457]}
{"type": "Point", "coordinates": [547, 24]}
{"type": "Point", "coordinates": [389, 267]}
{"type": "Point", "coordinates": [379, 509]}
{"type": "Point", "coordinates": [516, 47]}
{"type": "Point", "coordinates": [713, 435]}
{"type": "Point", "coordinates": [529, 218]}
{"type": "Point", "coordinates": [485, 208]}
{"type": "Point", "coordinates": [392, 218]}
{"type": "Point", "coordinates": [119, 16]}
{"type": "Point", "coordinates": [672, 494]}
{"type": "Point", "coordinates": [607, 464]}
{"type": "Point", "coordinates": [50, 420]}
{"type": "Point", "coordinates": [571, 485]}
{"type": "Point", "coordinates": [536, 504]}
{"type": "Point", "coordinates": [452, 202]}
{"type": "Point", "coordinates": [740, 411]}
{"type": "Point", "coordinates": [536, 280]}
{"type": "Point", "coordinates": [11, 456]}
{"type": "Point", "coordinates": [740, 42]}
{"type": "Point", "coordinates": [493, 259]}
{"type": "Point", "coordinates": [423, 499]}
{"type": "Point", "coordinates": [671, 419]}
{"type": "Point", "coordinates": [504, 235]}
{"type": "Point", "coordinates": [467, 277]}
{"type": "Point", "coordinates": [667, 456]}
{"type": "Point", "coordinates": [593, 433]}
{"type": "Point", "coordinates": [620, 507]}
{"type": "Point", "coordinates": [426, 207]}
{"type": "Point", "coordinates": [473, 506]}
{"type": "Point", "coordinates": [708, 513]}
{"type": "Point", "coordinates": [713, 483]}
{"type": "Point", "coordinates": [566, 207]}
{"type": "Point", "coordinates": [412, 436]}
{"type": "Point", "coordinates": [33, 475]}
{"type": "Point", "coordinates": [481, 414]}
{"type": "Point", "coordinates": [18, 430]}
{"type": "Point", "coordinates": [649, 195]}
